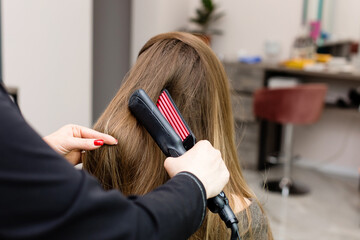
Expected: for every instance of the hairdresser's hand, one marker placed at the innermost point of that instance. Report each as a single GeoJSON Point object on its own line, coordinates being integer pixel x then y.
{"type": "Point", "coordinates": [71, 139]}
{"type": "Point", "coordinates": [205, 163]}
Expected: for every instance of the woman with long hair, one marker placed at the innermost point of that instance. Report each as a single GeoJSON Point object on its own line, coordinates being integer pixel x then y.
{"type": "Point", "coordinates": [184, 65]}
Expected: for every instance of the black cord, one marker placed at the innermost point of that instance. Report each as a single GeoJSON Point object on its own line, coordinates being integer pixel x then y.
{"type": "Point", "coordinates": [235, 232]}
{"type": "Point", "coordinates": [220, 204]}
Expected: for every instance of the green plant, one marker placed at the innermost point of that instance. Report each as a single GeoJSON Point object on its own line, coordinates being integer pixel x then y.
{"type": "Point", "coordinates": [205, 16]}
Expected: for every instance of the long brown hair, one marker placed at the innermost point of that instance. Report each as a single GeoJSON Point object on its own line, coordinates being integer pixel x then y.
{"type": "Point", "coordinates": [184, 65]}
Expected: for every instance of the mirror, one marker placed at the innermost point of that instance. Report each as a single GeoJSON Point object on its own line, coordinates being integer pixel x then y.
{"type": "Point", "coordinates": [334, 24]}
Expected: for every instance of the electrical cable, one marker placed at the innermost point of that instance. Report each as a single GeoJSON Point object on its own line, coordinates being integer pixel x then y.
{"type": "Point", "coordinates": [235, 232]}
{"type": "Point", "coordinates": [220, 205]}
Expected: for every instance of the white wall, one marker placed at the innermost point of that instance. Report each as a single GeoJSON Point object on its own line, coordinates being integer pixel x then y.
{"type": "Point", "coordinates": [47, 55]}
{"type": "Point", "coordinates": [248, 24]}
{"type": "Point", "coordinates": [331, 144]}
{"type": "Point", "coordinates": [150, 18]}
{"type": "Point", "coordinates": [347, 19]}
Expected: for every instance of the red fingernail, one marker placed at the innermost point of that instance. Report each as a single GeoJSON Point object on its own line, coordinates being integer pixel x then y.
{"type": "Point", "coordinates": [99, 142]}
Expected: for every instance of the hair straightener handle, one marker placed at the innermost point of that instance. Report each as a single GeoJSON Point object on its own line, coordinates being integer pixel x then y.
{"type": "Point", "coordinates": [161, 122]}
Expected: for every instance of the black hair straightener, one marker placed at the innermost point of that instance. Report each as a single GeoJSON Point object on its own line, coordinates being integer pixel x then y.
{"type": "Point", "coordinates": [174, 137]}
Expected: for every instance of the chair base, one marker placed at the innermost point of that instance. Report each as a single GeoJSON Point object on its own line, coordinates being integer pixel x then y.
{"type": "Point", "coordinates": [286, 187]}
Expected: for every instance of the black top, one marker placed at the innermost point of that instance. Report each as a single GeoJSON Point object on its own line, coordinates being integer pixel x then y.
{"type": "Point", "coordinates": [42, 196]}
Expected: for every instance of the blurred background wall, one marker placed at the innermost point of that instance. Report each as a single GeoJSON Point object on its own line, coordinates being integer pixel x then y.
{"type": "Point", "coordinates": [153, 17]}
{"type": "Point", "coordinates": [247, 25]}
{"type": "Point", "coordinates": [47, 55]}
{"type": "Point", "coordinates": [111, 50]}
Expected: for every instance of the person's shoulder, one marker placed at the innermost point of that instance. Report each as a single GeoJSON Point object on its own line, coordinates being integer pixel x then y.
{"type": "Point", "coordinates": [257, 219]}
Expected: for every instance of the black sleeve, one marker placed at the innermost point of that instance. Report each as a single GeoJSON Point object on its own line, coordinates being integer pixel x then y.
{"type": "Point", "coordinates": [42, 196]}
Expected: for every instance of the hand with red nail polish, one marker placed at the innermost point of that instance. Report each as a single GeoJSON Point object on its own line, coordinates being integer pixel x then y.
{"type": "Point", "coordinates": [99, 142]}
{"type": "Point", "coordinates": [71, 139]}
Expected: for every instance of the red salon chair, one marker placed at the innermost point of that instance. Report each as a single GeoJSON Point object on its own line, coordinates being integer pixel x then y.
{"type": "Point", "coordinates": [299, 105]}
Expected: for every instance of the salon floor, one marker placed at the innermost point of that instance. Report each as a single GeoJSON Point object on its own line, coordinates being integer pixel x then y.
{"type": "Point", "coordinates": [330, 211]}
